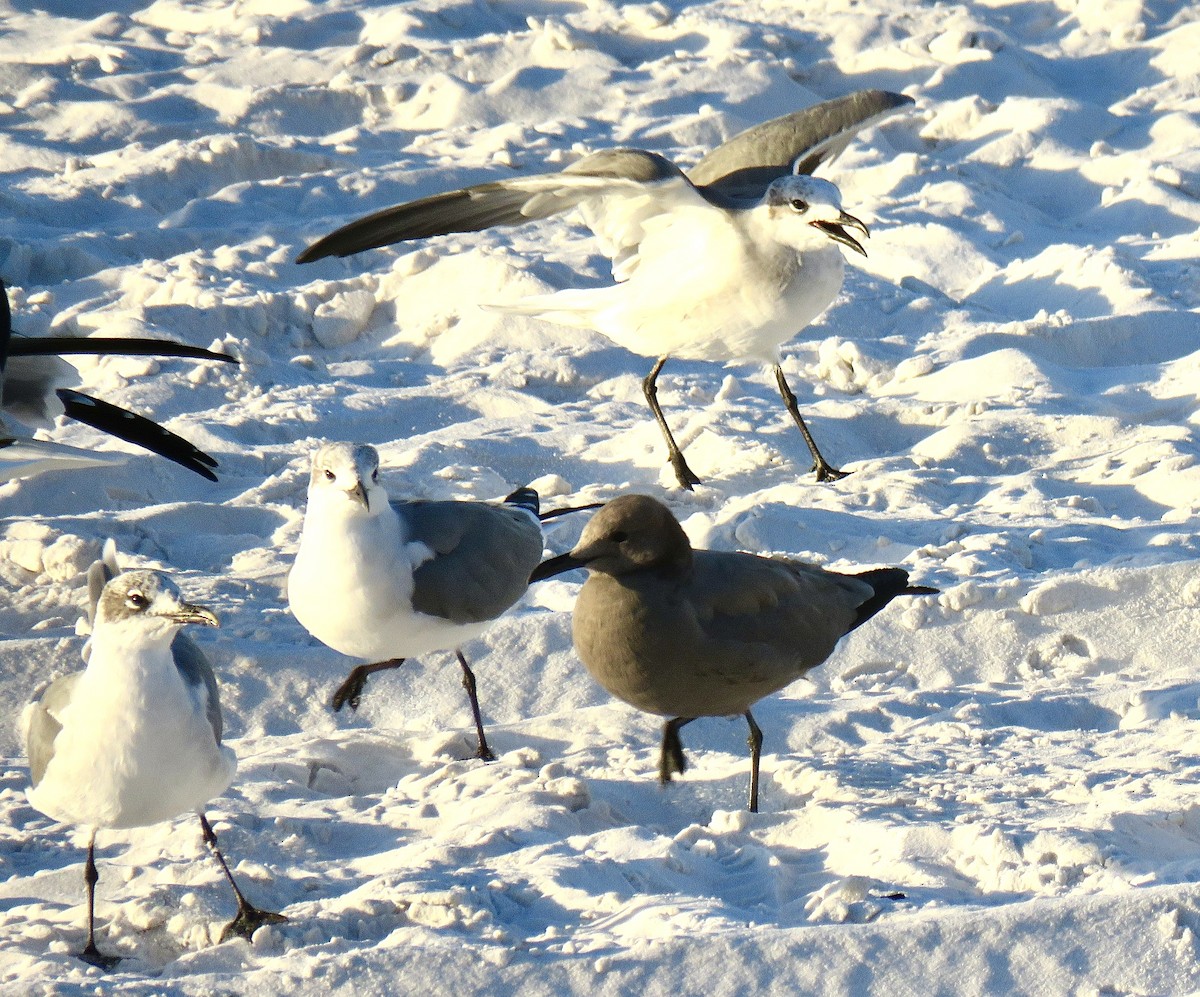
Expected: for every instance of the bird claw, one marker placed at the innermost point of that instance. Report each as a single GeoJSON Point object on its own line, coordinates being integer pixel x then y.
{"type": "Point", "coordinates": [827, 472]}
{"type": "Point", "coordinates": [349, 693]}
{"type": "Point", "coordinates": [249, 919]}
{"type": "Point", "coordinates": [683, 474]}
{"type": "Point", "coordinates": [94, 957]}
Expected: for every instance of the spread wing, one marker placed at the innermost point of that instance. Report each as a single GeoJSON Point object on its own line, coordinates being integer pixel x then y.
{"type": "Point", "coordinates": [136, 429]}
{"type": "Point", "coordinates": [794, 143]}
{"type": "Point", "coordinates": [619, 186]}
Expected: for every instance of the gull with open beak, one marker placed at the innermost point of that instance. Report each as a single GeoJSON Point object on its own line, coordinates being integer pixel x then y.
{"type": "Point", "coordinates": [725, 263]}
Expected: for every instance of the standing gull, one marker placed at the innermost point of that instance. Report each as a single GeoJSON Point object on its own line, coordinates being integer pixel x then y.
{"type": "Point", "coordinates": [387, 581]}
{"type": "Point", "coordinates": [726, 264]}
{"type": "Point", "coordinates": [32, 379]}
{"type": "Point", "coordinates": [135, 738]}
{"type": "Point", "coordinates": [689, 633]}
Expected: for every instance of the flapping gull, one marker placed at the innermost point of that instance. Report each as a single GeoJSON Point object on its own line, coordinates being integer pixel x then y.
{"type": "Point", "coordinates": [135, 738]}
{"type": "Point", "coordinates": [387, 581]}
{"type": "Point", "coordinates": [724, 264]}
{"type": "Point", "coordinates": [689, 633]}
{"type": "Point", "coordinates": [32, 389]}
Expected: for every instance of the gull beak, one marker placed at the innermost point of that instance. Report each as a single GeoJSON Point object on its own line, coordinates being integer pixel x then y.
{"type": "Point", "coordinates": [190, 613]}
{"type": "Point", "coordinates": [837, 232]}
{"type": "Point", "coordinates": [556, 566]}
{"type": "Point", "coordinates": [359, 494]}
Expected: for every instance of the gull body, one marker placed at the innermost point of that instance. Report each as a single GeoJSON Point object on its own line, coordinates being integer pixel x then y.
{"type": "Point", "coordinates": [725, 265]}
{"type": "Point", "coordinates": [135, 738]}
{"type": "Point", "coordinates": [722, 283]}
{"type": "Point", "coordinates": [686, 633]}
{"type": "Point", "coordinates": [385, 581]}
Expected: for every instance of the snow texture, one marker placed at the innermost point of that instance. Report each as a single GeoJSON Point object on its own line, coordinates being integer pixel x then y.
{"type": "Point", "coordinates": [989, 792]}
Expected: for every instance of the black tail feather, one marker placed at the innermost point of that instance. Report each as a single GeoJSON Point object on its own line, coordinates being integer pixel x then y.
{"type": "Point", "coordinates": [555, 513]}
{"type": "Point", "coordinates": [887, 583]}
{"type": "Point", "coordinates": [524, 498]}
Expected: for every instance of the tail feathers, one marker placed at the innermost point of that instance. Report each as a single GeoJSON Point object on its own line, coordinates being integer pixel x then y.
{"type": "Point", "coordinates": [574, 306]}
{"type": "Point", "coordinates": [567, 510]}
{"type": "Point", "coordinates": [525, 498]}
{"type": "Point", "coordinates": [887, 583]}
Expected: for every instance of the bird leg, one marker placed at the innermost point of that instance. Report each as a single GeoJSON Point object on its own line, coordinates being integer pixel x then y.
{"type": "Point", "coordinates": [90, 953]}
{"type": "Point", "coordinates": [683, 473]}
{"type": "Point", "coordinates": [249, 918]}
{"type": "Point", "coordinates": [351, 690]}
{"type": "Point", "coordinates": [468, 681]}
{"type": "Point", "coordinates": [755, 741]}
{"type": "Point", "coordinates": [670, 757]}
{"type": "Point", "coordinates": [825, 470]}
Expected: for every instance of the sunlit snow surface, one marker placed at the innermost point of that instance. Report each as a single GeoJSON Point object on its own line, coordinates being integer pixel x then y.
{"type": "Point", "coordinates": [989, 792]}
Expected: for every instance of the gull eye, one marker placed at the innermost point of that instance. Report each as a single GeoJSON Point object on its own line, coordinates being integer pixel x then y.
{"type": "Point", "coordinates": [330, 476]}
{"type": "Point", "coordinates": [135, 600]}
{"type": "Point", "coordinates": [375, 475]}
{"type": "Point", "coordinates": [619, 537]}
{"type": "Point", "coordinates": [799, 204]}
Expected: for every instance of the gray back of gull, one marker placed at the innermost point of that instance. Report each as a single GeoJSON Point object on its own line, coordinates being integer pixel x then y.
{"type": "Point", "coordinates": [483, 556]}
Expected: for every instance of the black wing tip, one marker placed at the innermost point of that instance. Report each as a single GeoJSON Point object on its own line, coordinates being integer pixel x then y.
{"type": "Point", "coordinates": [136, 429]}
{"type": "Point", "coordinates": [888, 98]}
{"type": "Point", "coordinates": [921, 590]}
{"type": "Point", "coordinates": [312, 254]}
{"type": "Point", "coordinates": [137, 346]}
{"type": "Point", "coordinates": [204, 472]}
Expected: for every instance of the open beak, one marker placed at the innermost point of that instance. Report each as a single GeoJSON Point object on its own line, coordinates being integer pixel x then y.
{"type": "Point", "coordinates": [359, 494]}
{"type": "Point", "coordinates": [556, 566]}
{"type": "Point", "coordinates": [837, 232]}
{"type": "Point", "coordinates": [191, 613]}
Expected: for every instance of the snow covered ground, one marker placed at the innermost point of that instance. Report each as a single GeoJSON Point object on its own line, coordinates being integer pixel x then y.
{"type": "Point", "coordinates": [990, 792]}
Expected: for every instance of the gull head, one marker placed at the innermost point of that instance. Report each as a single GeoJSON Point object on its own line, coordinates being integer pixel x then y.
{"type": "Point", "coordinates": [345, 477]}
{"type": "Point", "coordinates": [150, 602]}
{"type": "Point", "coordinates": [807, 213]}
{"type": "Point", "coordinates": [631, 533]}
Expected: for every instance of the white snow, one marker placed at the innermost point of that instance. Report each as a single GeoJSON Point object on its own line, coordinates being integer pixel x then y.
{"type": "Point", "coordinates": [991, 792]}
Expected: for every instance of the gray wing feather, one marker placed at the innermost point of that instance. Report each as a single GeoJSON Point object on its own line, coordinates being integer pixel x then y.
{"type": "Point", "coordinates": [487, 205]}
{"type": "Point", "coordinates": [195, 669]}
{"type": "Point", "coordinates": [483, 557]}
{"type": "Point", "coordinates": [740, 168]}
{"type": "Point", "coordinates": [29, 385]}
{"type": "Point", "coordinates": [469, 210]}
{"type": "Point", "coordinates": [746, 164]}
{"type": "Point", "coordinates": [776, 603]}
{"type": "Point", "coordinates": [43, 725]}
